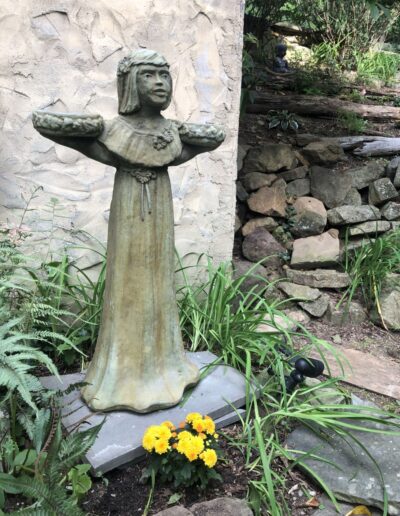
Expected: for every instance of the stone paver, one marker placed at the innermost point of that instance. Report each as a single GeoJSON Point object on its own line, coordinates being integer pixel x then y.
{"type": "Point", "coordinates": [380, 375]}
{"type": "Point", "coordinates": [119, 440]}
{"type": "Point", "coordinates": [347, 468]}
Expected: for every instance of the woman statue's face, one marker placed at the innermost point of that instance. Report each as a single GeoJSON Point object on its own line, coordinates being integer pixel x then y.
{"type": "Point", "coordinates": [154, 85]}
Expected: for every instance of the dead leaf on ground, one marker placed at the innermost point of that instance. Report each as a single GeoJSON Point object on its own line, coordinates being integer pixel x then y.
{"type": "Point", "coordinates": [312, 502]}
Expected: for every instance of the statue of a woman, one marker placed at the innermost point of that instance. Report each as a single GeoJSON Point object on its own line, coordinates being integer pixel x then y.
{"type": "Point", "coordinates": [139, 363]}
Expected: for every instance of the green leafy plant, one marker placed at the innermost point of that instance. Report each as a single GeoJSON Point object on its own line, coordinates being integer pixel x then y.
{"type": "Point", "coordinates": [217, 316]}
{"type": "Point", "coordinates": [370, 265]}
{"type": "Point", "coordinates": [352, 122]}
{"type": "Point", "coordinates": [57, 471]}
{"type": "Point", "coordinates": [382, 66]}
{"type": "Point", "coordinates": [349, 27]}
{"type": "Point", "coordinates": [282, 119]}
{"type": "Point", "coordinates": [183, 456]}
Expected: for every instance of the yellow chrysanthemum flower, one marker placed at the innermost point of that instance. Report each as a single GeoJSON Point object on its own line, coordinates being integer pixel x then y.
{"type": "Point", "coordinates": [209, 457]}
{"type": "Point", "coordinates": [193, 415]}
{"type": "Point", "coordinates": [197, 444]}
{"type": "Point", "coordinates": [168, 424]}
{"type": "Point", "coordinates": [191, 455]}
{"type": "Point", "coordinates": [198, 425]}
{"type": "Point", "coordinates": [164, 432]}
{"type": "Point", "coordinates": [161, 446]}
{"type": "Point", "coordinates": [209, 426]}
{"type": "Point", "coordinates": [184, 435]}
{"type": "Point", "coordinates": [153, 431]}
{"type": "Point", "coordinates": [148, 442]}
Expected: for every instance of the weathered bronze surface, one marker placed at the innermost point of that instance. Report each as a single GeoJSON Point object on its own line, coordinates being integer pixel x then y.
{"type": "Point", "coordinates": [139, 363]}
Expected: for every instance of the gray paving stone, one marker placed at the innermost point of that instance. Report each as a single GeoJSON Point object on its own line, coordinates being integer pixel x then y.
{"type": "Point", "coordinates": [330, 510]}
{"type": "Point", "coordinates": [348, 469]}
{"type": "Point", "coordinates": [119, 440]}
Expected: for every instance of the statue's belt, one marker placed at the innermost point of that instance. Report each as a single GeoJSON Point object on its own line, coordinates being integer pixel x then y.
{"type": "Point", "coordinates": [143, 176]}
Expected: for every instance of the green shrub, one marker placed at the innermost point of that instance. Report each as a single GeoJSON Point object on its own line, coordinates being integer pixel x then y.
{"type": "Point", "coordinates": [350, 28]}
{"type": "Point", "coordinates": [351, 122]}
{"type": "Point", "coordinates": [382, 66]}
{"type": "Point", "coordinates": [369, 266]}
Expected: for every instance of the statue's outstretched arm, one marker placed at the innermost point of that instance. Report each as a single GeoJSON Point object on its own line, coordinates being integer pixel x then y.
{"type": "Point", "coordinates": [78, 132]}
{"type": "Point", "coordinates": [198, 138]}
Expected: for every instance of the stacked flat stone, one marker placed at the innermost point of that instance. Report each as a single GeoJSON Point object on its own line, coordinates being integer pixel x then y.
{"type": "Point", "coordinates": [299, 205]}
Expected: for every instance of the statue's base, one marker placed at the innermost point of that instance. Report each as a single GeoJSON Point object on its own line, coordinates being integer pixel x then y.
{"type": "Point", "coordinates": [119, 440]}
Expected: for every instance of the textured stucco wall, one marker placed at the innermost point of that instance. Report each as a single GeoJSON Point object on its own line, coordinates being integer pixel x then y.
{"type": "Point", "coordinates": [62, 56]}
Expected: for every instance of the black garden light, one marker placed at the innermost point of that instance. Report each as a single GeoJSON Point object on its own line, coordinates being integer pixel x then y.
{"type": "Point", "coordinates": [303, 367]}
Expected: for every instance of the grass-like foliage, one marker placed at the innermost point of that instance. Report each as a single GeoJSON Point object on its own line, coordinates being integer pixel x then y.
{"type": "Point", "coordinates": [382, 66]}
{"type": "Point", "coordinates": [370, 265]}
{"type": "Point", "coordinates": [351, 122]}
{"type": "Point", "coordinates": [219, 315]}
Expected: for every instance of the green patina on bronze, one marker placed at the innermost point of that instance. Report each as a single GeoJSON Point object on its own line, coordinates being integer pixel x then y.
{"type": "Point", "coordinates": [139, 363]}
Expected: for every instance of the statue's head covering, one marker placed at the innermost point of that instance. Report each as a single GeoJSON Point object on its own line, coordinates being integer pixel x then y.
{"type": "Point", "coordinates": [128, 98]}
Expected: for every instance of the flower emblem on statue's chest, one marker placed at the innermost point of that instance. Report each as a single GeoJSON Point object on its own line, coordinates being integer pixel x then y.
{"type": "Point", "coordinates": [163, 139]}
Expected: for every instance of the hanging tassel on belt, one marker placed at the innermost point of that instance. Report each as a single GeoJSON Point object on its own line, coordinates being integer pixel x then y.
{"type": "Point", "coordinates": [144, 176]}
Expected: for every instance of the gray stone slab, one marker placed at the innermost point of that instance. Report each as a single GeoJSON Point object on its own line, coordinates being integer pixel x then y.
{"type": "Point", "coordinates": [119, 440]}
{"type": "Point", "coordinates": [348, 470]}
{"type": "Point", "coordinates": [330, 510]}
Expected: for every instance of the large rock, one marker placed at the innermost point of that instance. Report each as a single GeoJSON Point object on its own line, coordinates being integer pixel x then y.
{"type": "Point", "coordinates": [381, 190]}
{"type": "Point", "coordinates": [256, 275]}
{"type": "Point", "coordinates": [353, 198]}
{"type": "Point", "coordinates": [396, 179]}
{"type": "Point", "coordinates": [370, 228]}
{"type": "Point", "coordinates": [393, 167]}
{"type": "Point", "coordinates": [266, 222]}
{"type": "Point", "coordinates": [241, 193]}
{"type": "Point", "coordinates": [329, 186]}
{"type": "Point", "coordinates": [389, 301]}
{"type": "Point", "coordinates": [310, 218]}
{"type": "Point", "coordinates": [301, 292]}
{"type": "Point", "coordinates": [260, 245]}
{"type": "Point", "coordinates": [347, 469]}
{"type": "Point", "coordinates": [298, 187]}
{"type": "Point", "coordinates": [255, 180]}
{"type": "Point", "coordinates": [352, 214]}
{"type": "Point", "coordinates": [241, 154]}
{"type": "Point", "coordinates": [319, 278]}
{"type": "Point", "coordinates": [270, 157]}
{"type": "Point", "coordinates": [270, 200]}
{"type": "Point", "coordinates": [323, 153]}
{"type": "Point", "coordinates": [224, 506]}
{"type": "Point", "coordinates": [297, 315]}
{"type": "Point", "coordinates": [361, 177]}
{"type": "Point", "coordinates": [296, 173]}
{"type": "Point", "coordinates": [316, 251]}
{"type": "Point", "coordinates": [316, 308]}
{"type": "Point", "coordinates": [352, 313]}
{"type": "Point", "coordinates": [391, 211]}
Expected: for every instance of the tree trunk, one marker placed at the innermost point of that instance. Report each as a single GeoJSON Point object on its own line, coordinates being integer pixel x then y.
{"type": "Point", "coordinates": [321, 107]}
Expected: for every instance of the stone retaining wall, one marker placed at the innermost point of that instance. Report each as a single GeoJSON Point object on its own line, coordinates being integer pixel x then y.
{"type": "Point", "coordinates": [304, 204]}
{"type": "Point", "coordinates": [62, 55]}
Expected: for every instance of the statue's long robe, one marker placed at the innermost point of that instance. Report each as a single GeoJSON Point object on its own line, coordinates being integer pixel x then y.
{"type": "Point", "coordinates": [139, 362]}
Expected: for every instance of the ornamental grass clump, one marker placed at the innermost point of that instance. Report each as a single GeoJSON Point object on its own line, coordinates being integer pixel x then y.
{"type": "Point", "coordinates": [184, 456]}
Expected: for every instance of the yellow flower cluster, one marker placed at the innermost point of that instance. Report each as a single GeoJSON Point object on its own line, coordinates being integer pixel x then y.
{"type": "Point", "coordinates": [201, 424]}
{"type": "Point", "coordinates": [156, 437]}
{"type": "Point", "coordinates": [163, 438]}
